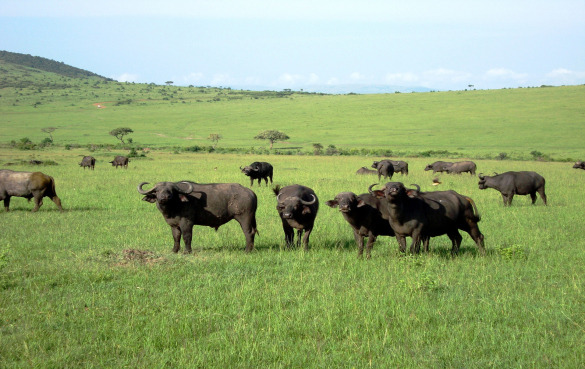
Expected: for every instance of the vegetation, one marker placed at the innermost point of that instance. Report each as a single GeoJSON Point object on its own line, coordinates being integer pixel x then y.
{"type": "Point", "coordinates": [214, 137]}
{"type": "Point", "coordinates": [120, 132]}
{"type": "Point", "coordinates": [97, 285]}
{"type": "Point", "coordinates": [272, 136]}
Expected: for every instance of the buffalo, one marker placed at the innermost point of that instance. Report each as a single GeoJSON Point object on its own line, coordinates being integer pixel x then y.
{"type": "Point", "coordinates": [421, 215]}
{"type": "Point", "coordinates": [87, 162]}
{"type": "Point", "coordinates": [28, 185]}
{"type": "Point", "coordinates": [297, 206]}
{"type": "Point", "coordinates": [258, 170]}
{"type": "Point", "coordinates": [185, 204]}
{"type": "Point", "coordinates": [364, 170]}
{"type": "Point", "coordinates": [385, 168]}
{"type": "Point", "coordinates": [400, 166]}
{"type": "Point", "coordinates": [120, 161]}
{"type": "Point", "coordinates": [579, 165]}
{"type": "Point", "coordinates": [460, 167]}
{"type": "Point", "coordinates": [363, 215]}
{"type": "Point", "coordinates": [439, 166]}
{"type": "Point", "coordinates": [515, 183]}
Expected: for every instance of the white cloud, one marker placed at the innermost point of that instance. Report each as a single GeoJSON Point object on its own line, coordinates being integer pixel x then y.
{"type": "Point", "coordinates": [127, 77]}
{"type": "Point", "coordinates": [193, 78]}
{"type": "Point", "coordinates": [333, 81]}
{"type": "Point", "coordinates": [291, 79]}
{"type": "Point", "coordinates": [402, 78]}
{"type": "Point", "coordinates": [220, 80]}
{"type": "Point", "coordinates": [563, 76]}
{"type": "Point", "coordinates": [356, 77]}
{"type": "Point", "coordinates": [313, 79]}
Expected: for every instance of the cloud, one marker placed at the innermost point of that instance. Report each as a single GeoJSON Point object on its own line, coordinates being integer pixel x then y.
{"type": "Point", "coordinates": [402, 78]}
{"type": "Point", "coordinates": [127, 77]}
{"type": "Point", "coordinates": [291, 79]}
{"type": "Point", "coordinates": [193, 78]}
{"type": "Point", "coordinates": [356, 77]}
{"type": "Point", "coordinates": [220, 80]}
{"type": "Point", "coordinates": [563, 76]}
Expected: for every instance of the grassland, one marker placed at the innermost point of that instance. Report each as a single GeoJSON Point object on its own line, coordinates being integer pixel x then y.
{"type": "Point", "coordinates": [97, 285]}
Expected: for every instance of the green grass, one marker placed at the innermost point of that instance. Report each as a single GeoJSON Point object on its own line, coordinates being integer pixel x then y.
{"type": "Point", "coordinates": [71, 296]}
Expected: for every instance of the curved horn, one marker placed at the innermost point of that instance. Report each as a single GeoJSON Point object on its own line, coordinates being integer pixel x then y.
{"type": "Point", "coordinates": [496, 174]}
{"type": "Point", "coordinates": [189, 189]}
{"type": "Point", "coordinates": [240, 167]}
{"type": "Point", "coordinates": [370, 188]}
{"type": "Point", "coordinates": [309, 202]}
{"type": "Point", "coordinates": [417, 187]}
{"type": "Point", "coordinates": [144, 192]}
{"type": "Point", "coordinates": [480, 176]}
{"type": "Point", "coordinates": [278, 197]}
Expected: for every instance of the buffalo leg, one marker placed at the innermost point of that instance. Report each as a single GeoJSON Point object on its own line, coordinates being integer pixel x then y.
{"type": "Point", "coordinates": [251, 182]}
{"type": "Point", "coordinates": [266, 180]}
{"type": "Point", "coordinates": [38, 203]}
{"type": "Point", "coordinates": [187, 231]}
{"type": "Point", "coordinates": [533, 197]}
{"type": "Point", "coordinates": [249, 232]}
{"type": "Point", "coordinates": [176, 238]}
{"type": "Point", "coordinates": [401, 243]}
{"type": "Point", "coordinates": [426, 243]}
{"type": "Point", "coordinates": [359, 239]}
{"type": "Point", "coordinates": [259, 181]}
{"type": "Point", "coordinates": [289, 233]}
{"type": "Point", "coordinates": [57, 202]}
{"type": "Point", "coordinates": [455, 241]}
{"type": "Point", "coordinates": [542, 195]}
{"type": "Point", "coordinates": [369, 245]}
{"type": "Point", "coordinates": [306, 238]}
{"type": "Point", "coordinates": [7, 203]}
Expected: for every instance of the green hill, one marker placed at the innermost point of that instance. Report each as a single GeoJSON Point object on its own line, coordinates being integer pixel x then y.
{"type": "Point", "coordinates": [527, 123]}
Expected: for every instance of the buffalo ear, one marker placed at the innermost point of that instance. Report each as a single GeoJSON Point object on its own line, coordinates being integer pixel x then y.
{"type": "Point", "coordinates": [360, 203]}
{"type": "Point", "coordinates": [379, 194]}
{"type": "Point", "coordinates": [149, 198]}
{"type": "Point", "coordinates": [306, 210]}
{"type": "Point", "coordinates": [183, 198]}
{"type": "Point", "coordinates": [332, 203]}
{"type": "Point", "coordinates": [411, 193]}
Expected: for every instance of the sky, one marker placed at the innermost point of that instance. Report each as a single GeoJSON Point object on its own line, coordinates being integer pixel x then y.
{"type": "Point", "coordinates": [304, 44]}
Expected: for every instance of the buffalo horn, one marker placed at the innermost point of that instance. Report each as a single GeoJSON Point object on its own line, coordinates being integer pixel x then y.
{"type": "Point", "coordinates": [370, 188]}
{"type": "Point", "coordinates": [278, 197]}
{"type": "Point", "coordinates": [417, 187]}
{"type": "Point", "coordinates": [143, 192]}
{"type": "Point", "coordinates": [189, 189]}
{"type": "Point", "coordinates": [309, 202]}
{"type": "Point", "coordinates": [480, 176]}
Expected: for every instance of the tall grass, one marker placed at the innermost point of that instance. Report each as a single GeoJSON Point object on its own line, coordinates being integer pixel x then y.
{"type": "Point", "coordinates": [97, 285]}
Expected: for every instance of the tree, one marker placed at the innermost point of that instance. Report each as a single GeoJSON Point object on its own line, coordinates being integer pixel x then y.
{"type": "Point", "coordinates": [49, 130]}
{"type": "Point", "coordinates": [272, 136]}
{"type": "Point", "coordinates": [169, 83]}
{"type": "Point", "coordinates": [214, 137]}
{"type": "Point", "coordinates": [317, 147]}
{"type": "Point", "coordinates": [119, 133]}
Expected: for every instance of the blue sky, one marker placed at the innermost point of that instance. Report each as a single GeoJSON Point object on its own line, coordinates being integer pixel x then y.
{"type": "Point", "coordinates": [441, 45]}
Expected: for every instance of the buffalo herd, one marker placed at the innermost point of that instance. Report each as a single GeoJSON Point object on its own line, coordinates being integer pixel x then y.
{"type": "Point", "coordinates": [393, 210]}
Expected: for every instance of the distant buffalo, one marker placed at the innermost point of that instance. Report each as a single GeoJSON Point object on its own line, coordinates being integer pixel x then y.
{"type": "Point", "coordinates": [400, 166]}
{"type": "Point", "coordinates": [258, 170]}
{"type": "Point", "coordinates": [364, 170]}
{"type": "Point", "coordinates": [185, 204]}
{"type": "Point", "coordinates": [515, 183]}
{"type": "Point", "coordinates": [28, 185]}
{"type": "Point", "coordinates": [460, 167]}
{"type": "Point", "coordinates": [439, 166]}
{"type": "Point", "coordinates": [87, 162]}
{"type": "Point", "coordinates": [120, 161]}
{"type": "Point", "coordinates": [579, 165]}
{"type": "Point", "coordinates": [385, 168]}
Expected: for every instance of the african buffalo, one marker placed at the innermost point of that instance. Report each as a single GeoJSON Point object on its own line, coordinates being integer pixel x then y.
{"type": "Point", "coordinates": [579, 165]}
{"type": "Point", "coordinates": [364, 170]}
{"type": "Point", "coordinates": [460, 167]}
{"type": "Point", "coordinates": [87, 161]}
{"type": "Point", "coordinates": [258, 170]}
{"type": "Point", "coordinates": [385, 168]}
{"type": "Point", "coordinates": [363, 215]}
{"type": "Point", "coordinates": [422, 215]}
{"type": "Point", "coordinates": [400, 166]}
{"type": "Point", "coordinates": [515, 183]}
{"type": "Point", "coordinates": [28, 185]}
{"type": "Point", "coordinates": [438, 166]}
{"type": "Point", "coordinates": [297, 206]}
{"type": "Point", "coordinates": [120, 161]}
{"type": "Point", "coordinates": [185, 204]}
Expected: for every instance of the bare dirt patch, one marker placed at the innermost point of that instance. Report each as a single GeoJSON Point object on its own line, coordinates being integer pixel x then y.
{"type": "Point", "coordinates": [132, 256]}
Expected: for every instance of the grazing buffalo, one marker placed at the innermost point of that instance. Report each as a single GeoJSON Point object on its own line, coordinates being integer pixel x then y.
{"type": "Point", "coordinates": [422, 215]}
{"type": "Point", "coordinates": [515, 183]}
{"type": "Point", "coordinates": [87, 162]}
{"type": "Point", "coordinates": [439, 166]}
{"type": "Point", "coordinates": [28, 185]}
{"type": "Point", "coordinates": [385, 169]}
{"type": "Point", "coordinates": [363, 215]}
{"type": "Point", "coordinates": [400, 166]}
{"type": "Point", "coordinates": [460, 167]}
{"type": "Point", "coordinates": [297, 206]}
{"type": "Point", "coordinates": [258, 170]}
{"type": "Point", "coordinates": [120, 161]}
{"type": "Point", "coordinates": [579, 165]}
{"type": "Point", "coordinates": [364, 170]}
{"type": "Point", "coordinates": [185, 204]}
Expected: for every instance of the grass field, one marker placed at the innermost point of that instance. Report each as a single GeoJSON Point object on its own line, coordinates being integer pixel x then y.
{"type": "Point", "coordinates": [97, 285]}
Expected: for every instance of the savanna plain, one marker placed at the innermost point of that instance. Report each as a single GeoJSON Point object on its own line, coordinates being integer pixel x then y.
{"type": "Point", "coordinates": [97, 285]}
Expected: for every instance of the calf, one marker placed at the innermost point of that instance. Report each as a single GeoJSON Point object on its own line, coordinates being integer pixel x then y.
{"type": "Point", "coordinates": [363, 215]}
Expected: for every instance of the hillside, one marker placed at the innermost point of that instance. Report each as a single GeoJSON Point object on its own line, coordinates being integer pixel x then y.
{"type": "Point", "coordinates": [526, 123]}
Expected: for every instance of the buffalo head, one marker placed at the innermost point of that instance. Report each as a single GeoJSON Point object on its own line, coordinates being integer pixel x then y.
{"type": "Point", "coordinates": [290, 206]}
{"type": "Point", "coordinates": [346, 201]}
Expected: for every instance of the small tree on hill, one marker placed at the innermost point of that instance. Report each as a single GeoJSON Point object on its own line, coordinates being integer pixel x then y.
{"type": "Point", "coordinates": [272, 136]}
{"type": "Point", "coordinates": [214, 137]}
{"type": "Point", "coordinates": [50, 131]}
{"type": "Point", "coordinates": [119, 133]}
